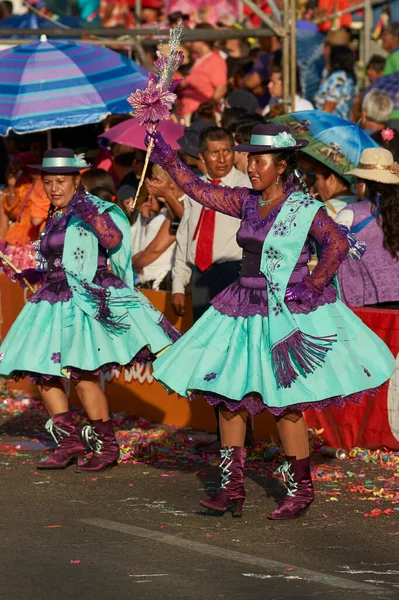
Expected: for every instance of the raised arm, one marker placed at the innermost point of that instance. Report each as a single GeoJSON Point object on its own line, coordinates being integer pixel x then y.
{"type": "Point", "coordinates": [223, 199]}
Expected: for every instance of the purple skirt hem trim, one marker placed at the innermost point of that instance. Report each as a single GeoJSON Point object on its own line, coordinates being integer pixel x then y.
{"type": "Point", "coordinates": [254, 404]}
{"type": "Point", "coordinates": [143, 357]}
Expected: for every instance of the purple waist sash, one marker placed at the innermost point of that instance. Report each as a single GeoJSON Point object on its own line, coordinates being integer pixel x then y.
{"type": "Point", "coordinates": [255, 283]}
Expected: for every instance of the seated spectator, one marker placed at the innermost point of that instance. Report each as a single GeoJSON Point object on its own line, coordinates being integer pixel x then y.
{"type": "Point", "coordinates": [275, 87]}
{"type": "Point", "coordinates": [103, 193]}
{"type": "Point", "coordinates": [259, 76]}
{"type": "Point", "coordinates": [376, 111]}
{"type": "Point", "coordinates": [6, 9]}
{"type": "Point", "coordinates": [242, 135]}
{"type": "Point", "coordinates": [24, 218]}
{"type": "Point", "coordinates": [124, 164]}
{"type": "Point", "coordinates": [235, 49]}
{"type": "Point", "coordinates": [189, 144]}
{"type": "Point", "coordinates": [98, 178]}
{"type": "Point", "coordinates": [103, 158]}
{"type": "Point", "coordinates": [205, 112]}
{"type": "Point", "coordinates": [374, 279]}
{"type": "Point", "coordinates": [116, 13]}
{"type": "Point", "coordinates": [151, 11]}
{"type": "Point", "coordinates": [153, 267]}
{"type": "Point", "coordinates": [89, 10]}
{"type": "Point", "coordinates": [242, 68]}
{"type": "Point", "coordinates": [162, 186]}
{"type": "Point", "coordinates": [207, 79]}
{"type": "Point", "coordinates": [244, 100]}
{"type": "Point", "coordinates": [330, 187]}
{"type": "Point", "coordinates": [375, 67]}
{"type": "Point", "coordinates": [336, 94]}
{"type": "Point", "coordinates": [232, 115]}
{"type": "Point", "coordinates": [390, 43]}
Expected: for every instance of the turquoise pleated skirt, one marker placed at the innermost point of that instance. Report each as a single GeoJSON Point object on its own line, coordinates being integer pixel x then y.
{"type": "Point", "coordinates": [228, 359]}
{"type": "Point", "coordinates": [60, 340]}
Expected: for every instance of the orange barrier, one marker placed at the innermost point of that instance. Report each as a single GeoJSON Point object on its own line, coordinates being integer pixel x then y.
{"type": "Point", "coordinates": [135, 390]}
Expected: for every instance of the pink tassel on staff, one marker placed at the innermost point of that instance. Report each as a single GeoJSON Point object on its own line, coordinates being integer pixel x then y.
{"type": "Point", "coordinates": [154, 104]}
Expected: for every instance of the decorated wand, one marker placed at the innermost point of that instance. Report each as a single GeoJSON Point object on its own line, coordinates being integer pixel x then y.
{"type": "Point", "coordinates": [155, 102]}
{"type": "Point", "coordinates": [8, 262]}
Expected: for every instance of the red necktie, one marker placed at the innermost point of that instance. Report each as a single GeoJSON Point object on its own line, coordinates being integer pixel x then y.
{"type": "Point", "coordinates": [206, 232]}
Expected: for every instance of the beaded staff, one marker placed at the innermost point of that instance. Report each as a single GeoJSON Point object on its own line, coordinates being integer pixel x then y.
{"type": "Point", "coordinates": [8, 262]}
{"type": "Point", "coordinates": [154, 104]}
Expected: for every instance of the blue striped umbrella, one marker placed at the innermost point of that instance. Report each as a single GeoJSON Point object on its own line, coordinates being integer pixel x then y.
{"type": "Point", "coordinates": [52, 84]}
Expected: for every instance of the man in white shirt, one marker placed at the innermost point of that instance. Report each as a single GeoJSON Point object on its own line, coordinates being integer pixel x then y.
{"type": "Point", "coordinates": [207, 251]}
{"type": "Point", "coordinates": [206, 247]}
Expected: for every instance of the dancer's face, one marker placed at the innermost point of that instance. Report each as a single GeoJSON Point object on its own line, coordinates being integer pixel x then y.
{"type": "Point", "coordinates": [263, 172]}
{"type": "Point", "coordinates": [60, 188]}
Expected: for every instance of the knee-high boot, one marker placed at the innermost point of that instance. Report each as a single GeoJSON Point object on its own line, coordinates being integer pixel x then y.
{"type": "Point", "coordinates": [300, 492]}
{"type": "Point", "coordinates": [100, 436]}
{"type": "Point", "coordinates": [70, 447]}
{"type": "Point", "coordinates": [232, 482]}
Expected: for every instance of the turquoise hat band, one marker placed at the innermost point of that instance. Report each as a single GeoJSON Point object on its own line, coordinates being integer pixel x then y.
{"type": "Point", "coordinates": [59, 161]}
{"type": "Point", "coordinates": [262, 140]}
{"type": "Point", "coordinates": [281, 140]}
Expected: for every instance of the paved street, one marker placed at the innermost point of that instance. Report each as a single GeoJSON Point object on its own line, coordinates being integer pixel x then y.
{"type": "Point", "coordinates": [137, 531]}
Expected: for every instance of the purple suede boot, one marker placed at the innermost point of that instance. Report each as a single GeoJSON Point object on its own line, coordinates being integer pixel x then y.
{"type": "Point", "coordinates": [100, 436]}
{"type": "Point", "coordinates": [300, 493]}
{"type": "Point", "coordinates": [70, 447]}
{"type": "Point", "coordinates": [232, 482]}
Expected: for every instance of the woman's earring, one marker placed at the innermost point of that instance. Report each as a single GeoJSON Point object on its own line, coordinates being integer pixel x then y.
{"type": "Point", "coordinates": [277, 180]}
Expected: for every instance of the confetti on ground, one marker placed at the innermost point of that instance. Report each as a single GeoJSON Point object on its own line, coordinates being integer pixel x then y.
{"type": "Point", "coordinates": [366, 476]}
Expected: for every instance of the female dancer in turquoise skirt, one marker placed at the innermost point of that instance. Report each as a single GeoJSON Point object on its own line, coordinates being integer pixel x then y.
{"type": "Point", "coordinates": [86, 318]}
{"type": "Point", "coordinates": [279, 338]}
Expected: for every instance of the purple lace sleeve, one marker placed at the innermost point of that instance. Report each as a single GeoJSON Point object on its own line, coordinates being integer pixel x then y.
{"type": "Point", "coordinates": [223, 199]}
{"type": "Point", "coordinates": [335, 247]}
{"type": "Point", "coordinates": [109, 235]}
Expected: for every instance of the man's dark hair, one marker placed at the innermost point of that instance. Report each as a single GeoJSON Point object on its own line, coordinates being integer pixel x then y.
{"type": "Point", "coordinates": [244, 131]}
{"type": "Point", "coordinates": [342, 59]}
{"type": "Point", "coordinates": [376, 62]}
{"type": "Point", "coordinates": [214, 134]}
{"type": "Point", "coordinates": [123, 155]}
{"type": "Point", "coordinates": [6, 8]}
{"type": "Point", "coordinates": [231, 115]}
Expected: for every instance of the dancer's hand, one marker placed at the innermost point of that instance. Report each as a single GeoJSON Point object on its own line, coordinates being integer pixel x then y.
{"type": "Point", "coordinates": [160, 148]}
{"type": "Point", "coordinates": [178, 303]}
{"type": "Point", "coordinates": [301, 293]}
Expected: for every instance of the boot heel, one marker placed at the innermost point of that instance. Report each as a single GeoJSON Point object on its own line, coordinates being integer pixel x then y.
{"type": "Point", "coordinates": [80, 459]}
{"type": "Point", "coordinates": [238, 506]}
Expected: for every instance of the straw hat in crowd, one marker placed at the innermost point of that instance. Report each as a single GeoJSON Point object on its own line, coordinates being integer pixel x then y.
{"type": "Point", "coordinates": [377, 164]}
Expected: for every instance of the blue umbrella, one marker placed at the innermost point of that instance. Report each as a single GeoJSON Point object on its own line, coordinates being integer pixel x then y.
{"type": "Point", "coordinates": [333, 141]}
{"type": "Point", "coordinates": [33, 21]}
{"type": "Point", "coordinates": [47, 85]}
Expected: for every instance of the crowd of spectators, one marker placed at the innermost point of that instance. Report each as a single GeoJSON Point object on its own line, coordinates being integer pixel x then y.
{"type": "Point", "coordinates": [227, 87]}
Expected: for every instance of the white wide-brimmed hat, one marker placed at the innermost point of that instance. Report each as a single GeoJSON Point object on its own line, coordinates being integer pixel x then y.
{"type": "Point", "coordinates": [377, 164]}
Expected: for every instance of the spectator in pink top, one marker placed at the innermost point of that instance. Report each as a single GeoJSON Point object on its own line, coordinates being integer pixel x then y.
{"type": "Point", "coordinates": [207, 79]}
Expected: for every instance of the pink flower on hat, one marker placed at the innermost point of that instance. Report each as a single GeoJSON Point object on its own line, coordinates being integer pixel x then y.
{"type": "Point", "coordinates": [387, 134]}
